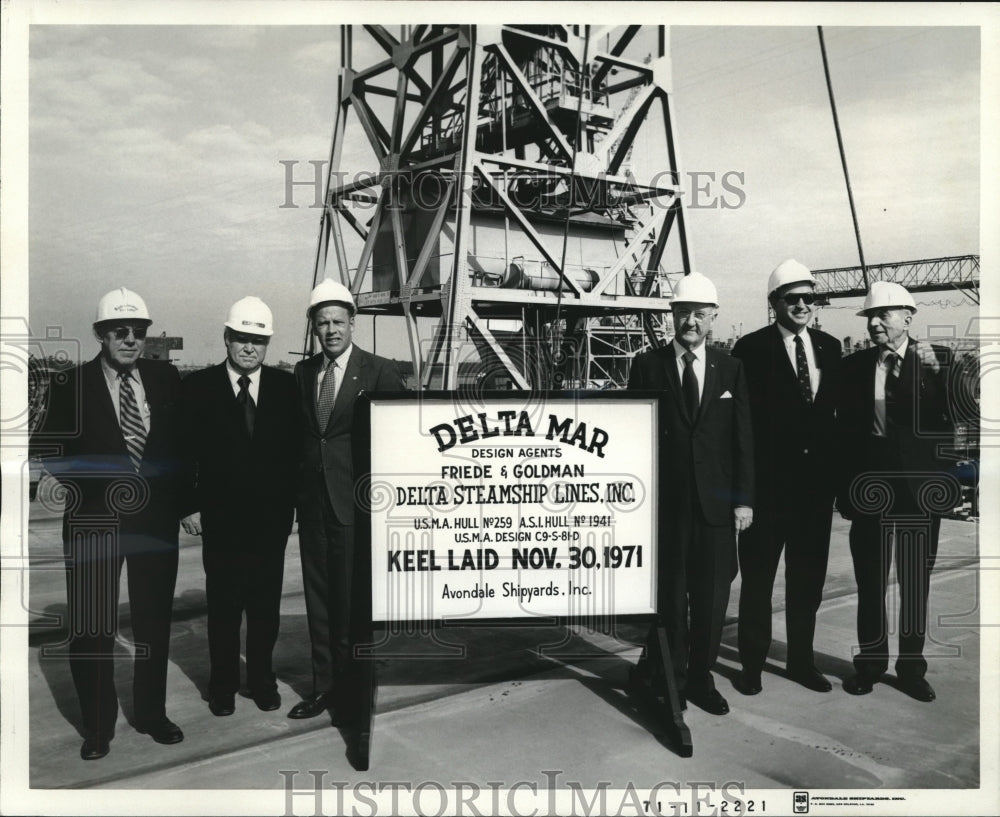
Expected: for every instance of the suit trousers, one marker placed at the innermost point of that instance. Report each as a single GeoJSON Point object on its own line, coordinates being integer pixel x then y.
{"type": "Point", "coordinates": [237, 581]}
{"type": "Point", "coordinates": [802, 530]}
{"type": "Point", "coordinates": [327, 552]}
{"type": "Point", "coordinates": [873, 540]}
{"type": "Point", "coordinates": [694, 594]}
{"type": "Point", "coordinates": [94, 563]}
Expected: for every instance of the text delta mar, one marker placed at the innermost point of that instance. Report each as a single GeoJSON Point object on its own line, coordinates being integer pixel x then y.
{"type": "Point", "coordinates": [510, 423]}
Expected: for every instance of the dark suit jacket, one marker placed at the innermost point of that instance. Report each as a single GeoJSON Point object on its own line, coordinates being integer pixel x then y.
{"type": "Point", "coordinates": [80, 421]}
{"type": "Point", "coordinates": [917, 424]}
{"type": "Point", "coordinates": [716, 447]}
{"type": "Point", "coordinates": [243, 483]}
{"type": "Point", "coordinates": [785, 426]}
{"type": "Point", "coordinates": [327, 451]}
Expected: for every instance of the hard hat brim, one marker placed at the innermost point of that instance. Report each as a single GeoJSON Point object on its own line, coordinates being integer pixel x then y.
{"type": "Point", "coordinates": [803, 282]}
{"type": "Point", "coordinates": [864, 312]}
{"type": "Point", "coordinates": [120, 321]}
{"type": "Point", "coordinates": [674, 303]}
{"type": "Point", "coordinates": [346, 304]}
{"type": "Point", "coordinates": [264, 333]}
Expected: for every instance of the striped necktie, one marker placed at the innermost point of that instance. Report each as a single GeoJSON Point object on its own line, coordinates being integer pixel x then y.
{"type": "Point", "coordinates": [891, 376]}
{"type": "Point", "coordinates": [131, 421]}
{"type": "Point", "coordinates": [327, 395]}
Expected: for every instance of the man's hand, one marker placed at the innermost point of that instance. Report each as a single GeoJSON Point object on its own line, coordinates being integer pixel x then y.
{"type": "Point", "coordinates": [192, 524]}
{"type": "Point", "coordinates": [742, 517]}
{"type": "Point", "coordinates": [928, 358]}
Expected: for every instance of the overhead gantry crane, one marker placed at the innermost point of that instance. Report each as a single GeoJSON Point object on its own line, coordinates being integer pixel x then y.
{"type": "Point", "coordinates": [482, 182]}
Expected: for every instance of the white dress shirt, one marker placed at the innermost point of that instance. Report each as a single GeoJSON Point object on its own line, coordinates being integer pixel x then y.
{"type": "Point", "coordinates": [788, 338]}
{"type": "Point", "coordinates": [234, 381]}
{"type": "Point", "coordinates": [698, 364]}
{"type": "Point", "coordinates": [881, 370]}
{"type": "Point", "coordinates": [341, 364]}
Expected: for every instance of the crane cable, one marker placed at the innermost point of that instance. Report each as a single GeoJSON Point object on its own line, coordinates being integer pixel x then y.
{"type": "Point", "coordinates": [843, 157]}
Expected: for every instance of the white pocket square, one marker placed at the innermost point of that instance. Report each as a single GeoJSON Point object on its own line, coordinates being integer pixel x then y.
{"type": "Point", "coordinates": [726, 395]}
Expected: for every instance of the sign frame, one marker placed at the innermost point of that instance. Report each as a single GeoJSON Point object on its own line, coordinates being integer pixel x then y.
{"type": "Point", "coordinates": [652, 682]}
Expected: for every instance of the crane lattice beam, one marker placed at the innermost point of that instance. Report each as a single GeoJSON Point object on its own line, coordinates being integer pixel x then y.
{"type": "Point", "coordinates": [926, 275]}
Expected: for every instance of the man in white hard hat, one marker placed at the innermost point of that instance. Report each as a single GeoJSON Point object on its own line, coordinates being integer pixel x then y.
{"type": "Point", "coordinates": [116, 424]}
{"type": "Point", "coordinates": [329, 384]}
{"type": "Point", "coordinates": [893, 413]}
{"type": "Point", "coordinates": [792, 372]}
{"type": "Point", "coordinates": [707, 484]}
{"type": "Point", "coordinates": [244, 432]}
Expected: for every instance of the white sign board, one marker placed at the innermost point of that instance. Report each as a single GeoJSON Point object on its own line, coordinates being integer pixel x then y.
{"type": "Point", "coordinates": [513, 508]}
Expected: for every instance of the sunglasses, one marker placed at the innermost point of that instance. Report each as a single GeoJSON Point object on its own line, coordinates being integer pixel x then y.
{"type": "Point", "coordinates": [256, 340]}
{"type": "Point", "coordinates": [793, 298]}
{"type": "Point", "coordinates": [121, 332]}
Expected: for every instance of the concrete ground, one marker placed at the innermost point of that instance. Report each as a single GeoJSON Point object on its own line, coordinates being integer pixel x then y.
{"type": "Point", "coordinates": [510, 704]}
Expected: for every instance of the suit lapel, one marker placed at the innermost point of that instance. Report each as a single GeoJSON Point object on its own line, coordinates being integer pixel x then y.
{"type": "Point", "coordinates": [107, 425]}
{"type": "Point", "coordinates": [309, 373]}
{"type": "Point", "coordinates": [673, 380]}
{"type": "Point", "coordinates": [711, 385]}
{"type": "Point", "coordinates": [869, 386]}
{"type": "Point", "coordinates": [348, 387]}
{"type": "Point", "coordinates": [818, 353]}
{"type": "Point", "coordinates": [233, 410]}
{"type": "Point", "coordinates": [780, 356]}
{"type": "Point", "coordinates": [784, 364]}
{"type": "Point", "coordinates": [909, 372]}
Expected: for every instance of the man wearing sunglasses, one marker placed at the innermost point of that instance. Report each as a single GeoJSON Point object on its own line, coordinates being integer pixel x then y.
{"type": "Point", "coordinates": [792, 371]}
{"type": "Point", "coordinates": [242, 426]}
{"type": "Point", "coordinates": [111, 436]}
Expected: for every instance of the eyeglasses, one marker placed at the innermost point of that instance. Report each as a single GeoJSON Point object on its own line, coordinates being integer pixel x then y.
{"type": "Point", "coordinates": [793, 298]}
{"type": "Point", "coordinates": [699, 317]}
{"type": "Point", "coordinates": [121, 332]}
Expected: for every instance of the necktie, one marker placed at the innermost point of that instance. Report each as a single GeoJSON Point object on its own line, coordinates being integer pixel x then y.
{"type": "Point", "coordinates": [327, 395]}
{"type": "Point", "coordinates": [883, 409]}
{"type": "Point", "coordinates": [891, 379]}
{"type": "Point", "coordinates": [689, 385]}
{"type": "Point", "coordinates": [802, 369]}
{"type": "Point", "coordinates": [246, 401]}
{"type": "Point", "coordinates": [131, 421]}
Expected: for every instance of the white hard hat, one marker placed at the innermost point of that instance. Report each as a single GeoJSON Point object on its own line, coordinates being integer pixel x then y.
{"type": "Point", "coordinates": [886, 295]}
{"type": "Point", "coordinates": [252, 316]}
{"type": "Point", "coordinates": [329, 290]}
{"type": "Point", "coordinates": [789, 272]}
{"type": "Point", "coordinates": [120, 305]}
{"type": "Point", "coordinates": [695, 288]}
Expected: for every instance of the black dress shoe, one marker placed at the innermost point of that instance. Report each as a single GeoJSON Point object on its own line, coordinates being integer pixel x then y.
{"type": "Point", "coordinates": [747, 683]}
{"type": "Point", "coordinates": [162, 731]}
{"type": "Point", "coordinates": [312, 706]}
{"type": "Point", "coordinates": [710, 700]}
{"type": "Point", "coordinates": [222, 705]}
{"type": "Point", "coordinates": [267, 699]}
{"type": "Point", "coordinates": [810, 678]}
{"type": "Point", "coordinates": [918, 689]}
{"type": "Point", "coordinates": [94, 748]}
{"type": "Point", "coordinates": [859, 685]}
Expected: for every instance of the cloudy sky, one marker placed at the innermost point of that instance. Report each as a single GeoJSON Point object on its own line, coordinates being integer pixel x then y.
{"type": "Point", "coordinates": [155, 162]}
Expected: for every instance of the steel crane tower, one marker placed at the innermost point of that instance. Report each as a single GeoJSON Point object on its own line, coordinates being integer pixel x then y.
{"type": "Point", "coordinates": [509, 192]}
